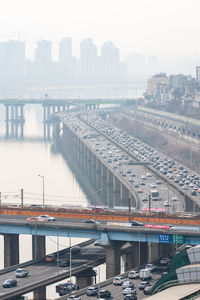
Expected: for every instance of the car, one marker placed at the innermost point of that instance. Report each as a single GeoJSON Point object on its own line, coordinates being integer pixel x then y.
{"type": "Point", "coordinates": [64, 263]}
{"type": "Point", "coordinates": [193, 193]}
{"type": "Point", "coordinates": [129, 290]}
{"type": "Point", "coordinates": [136, 223]}
{"type": "Point", "coordinates": [34, 219]}
{"type": "Point", "coordinates": [91, 221]}
{"type": "Point", "coordinates": [92, 291]}
{"type": "Point", "coordinates": [147, 290]}
{"type": "Point", "coordinates": [174, 198]}
{"type": "Point", "coordinates": [143, 285]}
{"type": "Point", "coordinates": [75, 249]}
{"type": "Point", "coordinates": [133, 274]}
{"type": "Point", "coordinates": [164, 261]}
{"type": "Point", "coordinates": [127, 284]}
{"type": "Point", "coordinates": [104, 294]}
{"type": "Point", "coordinates": [73, 297]}
{"type": "Point", "coordinates": [139, 190]}
{"type": "Point", "coordinates": [118, 280]}
{"type": "Point", "coordinates": [47, 218]}
{"type": "Point", "coordinates": [20, 272]}
{"type": "Point", "coordinates": [152, 267]}
{"type": "Point", "coordinates": [50, 257]}
{"type": "Point", "coordinates": [9, 283]}
{"type": "Point", "coordinates": [130, 297]}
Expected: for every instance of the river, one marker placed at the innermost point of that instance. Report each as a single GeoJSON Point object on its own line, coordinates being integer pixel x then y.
{"type": "Point", "coordinates": [21, 162]}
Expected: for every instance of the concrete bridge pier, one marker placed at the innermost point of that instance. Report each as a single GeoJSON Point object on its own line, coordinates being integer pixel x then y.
{"type": "Point", "coordinates": [11, 249]}
{"type": "Point", "coordinates": [38, 245]}
{"type": "Point", "coordinates": [85, 279]}
{"type": "Point", "coordinates": [116, 191]}
{"type": "Point", "coordinates": [124, 195]}
{"type": "Point", "coordinates": [110, 188]}
{"type": "Point", "coordinates": [113, 258]}
{"type": "Point", "coordinates": [39, 293]}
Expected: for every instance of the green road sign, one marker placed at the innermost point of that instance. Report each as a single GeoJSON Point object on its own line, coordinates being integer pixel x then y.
{"type": "Point", "coordinates": [177, 239]}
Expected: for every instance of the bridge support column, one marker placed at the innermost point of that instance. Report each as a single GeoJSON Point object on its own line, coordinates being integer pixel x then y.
{"type": "Point", "coordinates": [39, 293]}
{"type": "Point", "coordinates": [129, 260]}
{"type": "Point", "coordinates": [38, 246]}
{"type": "Point", "coordinates": [164, 249]}
{"type": "Point", "coordinates": [11, 250]}
{"type": "Point", "coordinates": [124, 195]}
{"type": "Point", "coordinates": [153, 252]}
{"type": "Point", "coordinates": [85, 279]}
{"type": "Point", "coordinates": [113, 258]}
{"type": "Point", "coordinates": [116, 191]}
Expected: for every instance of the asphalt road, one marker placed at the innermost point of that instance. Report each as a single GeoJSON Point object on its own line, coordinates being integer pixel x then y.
{"type": "Point", "coordinates": [117, 291]}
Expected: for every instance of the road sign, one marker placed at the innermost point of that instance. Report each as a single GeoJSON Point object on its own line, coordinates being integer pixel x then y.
{"type": "Point", "coordinates": [164, 238]}
{"type": "Point", "coordinates": [177, 239]}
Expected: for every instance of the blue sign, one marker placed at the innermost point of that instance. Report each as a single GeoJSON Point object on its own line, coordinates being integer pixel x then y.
{"type": "Point", "coordinates": [164, 238]}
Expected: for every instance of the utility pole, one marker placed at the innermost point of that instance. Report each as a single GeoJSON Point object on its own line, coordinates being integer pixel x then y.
{"type": "Point", "coordinates": [149, 203]}
{"type": "Point", "coordinates": [22, 197]}
{"type": "Point", "coordinates": [129, 210]}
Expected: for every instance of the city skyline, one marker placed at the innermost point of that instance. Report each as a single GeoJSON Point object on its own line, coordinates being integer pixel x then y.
{"type": "Point", "coordinates": [145, 26]}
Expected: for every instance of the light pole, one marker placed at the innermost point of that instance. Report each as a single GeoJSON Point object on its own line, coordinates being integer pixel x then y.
{"type": "Point", "coordinates": [42, 189]}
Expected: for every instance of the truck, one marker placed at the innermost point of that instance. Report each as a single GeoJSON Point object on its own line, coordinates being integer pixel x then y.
{"type": "Point", "coordinates": [145, 274]}
{"type": "Point", "coordinates": [20, 272]}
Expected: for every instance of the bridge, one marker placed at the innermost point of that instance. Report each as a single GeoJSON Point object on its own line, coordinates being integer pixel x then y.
{"type": "Point", "coordinates": [147, 244]}
{"type": "Point", "coordinates": [14, 114]}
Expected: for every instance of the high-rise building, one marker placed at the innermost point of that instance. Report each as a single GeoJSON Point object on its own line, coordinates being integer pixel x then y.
{"type": "Point", "coordinates": [88, 61]}
{"type": "Point", "coordinates": [65, 50]}
{"type": "Point", "coordinates": [66, 61]}
{"type": "Point", "coordinates": [12, 62]}
{"type": "Point", "coordinates": [43, 62]}
{"type": "Point", "coordinates": [110, 63]}
{"type": "Point", "coordinates": [198, 73]}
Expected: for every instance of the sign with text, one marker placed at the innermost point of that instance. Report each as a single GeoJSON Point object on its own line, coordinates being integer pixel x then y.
{"type": "Point", "coordinates": [177, 239]}
{"type": "Point", "coordinates": [164, 238]}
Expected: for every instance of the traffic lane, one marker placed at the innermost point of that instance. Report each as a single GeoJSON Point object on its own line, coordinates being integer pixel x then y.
{"type": "Point", "coordinates": [49, 269]}
{"type": "Point", "coordinates": [117, 291]}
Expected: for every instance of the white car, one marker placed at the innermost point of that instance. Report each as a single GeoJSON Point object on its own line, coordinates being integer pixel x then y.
{"type": "Point", "coordinates": [133, 274]}
{"type": "Point", "coordinates": [127, 284]}
{"type": "Point", "coordinates": [152, 267]}
{"type": "Point", "coordinates": [128, 291]}
{"type": "Point", "coordinates": [164, 261]}
{"type": "Point", "coordinates": [118, 280]}
{"type": "Point", "coordinates": [46, 218]}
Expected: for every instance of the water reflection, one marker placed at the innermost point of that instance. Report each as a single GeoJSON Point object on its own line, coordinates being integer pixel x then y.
{"type": "Point", "coordinates": [21, 161]}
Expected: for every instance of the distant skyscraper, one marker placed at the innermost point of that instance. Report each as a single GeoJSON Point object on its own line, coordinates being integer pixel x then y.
{"type": "Point", "coordinates": [12, 62]}
{"type": "Point", "coordinates": [43, 62]}
{"type": "Point", "coordinates": [88, 60]}
{"type": "Point", "coordinates": [198, 73]}
{"type": "Point", "coordinates": [110, 62]}
{"type": "Point", "coordinates": [65, 50]}
{"type": "Point", "coordinates": [66, 61]}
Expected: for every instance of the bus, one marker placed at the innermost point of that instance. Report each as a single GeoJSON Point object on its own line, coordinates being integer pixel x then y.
{"type": "Point", "coordinates": [155, 195]}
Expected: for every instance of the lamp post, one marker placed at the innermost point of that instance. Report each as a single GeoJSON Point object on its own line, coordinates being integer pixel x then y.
{"type": "Point", "coordinates": [42, 188]}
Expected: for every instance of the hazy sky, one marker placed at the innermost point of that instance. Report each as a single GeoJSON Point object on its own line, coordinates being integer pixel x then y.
{"type": "Point", "coordinates": [146, 26]}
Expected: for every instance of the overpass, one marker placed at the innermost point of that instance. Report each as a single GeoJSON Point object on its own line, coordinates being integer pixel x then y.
{"type": "Point", "coordinates": [113, 236]}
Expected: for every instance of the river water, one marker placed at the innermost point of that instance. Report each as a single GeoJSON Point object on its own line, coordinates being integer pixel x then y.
{"type": "Point", "coordinates": [21, 162]}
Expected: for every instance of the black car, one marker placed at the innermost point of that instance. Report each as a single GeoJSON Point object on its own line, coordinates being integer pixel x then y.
{"type": "Point", "coordinates": [9, 283]}
{"type": "Point", "coordinates": [104, 294]}
{"type": "Point", "coordinates": [136, 223]}
{"type": "Point", "coordinates": [64, 263]}
{"type": "Point", "coordinates": [75, 249]}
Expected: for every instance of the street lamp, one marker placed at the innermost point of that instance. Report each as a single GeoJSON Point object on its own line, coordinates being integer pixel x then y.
{"type": "Point", "coordinates": [42, 188]}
